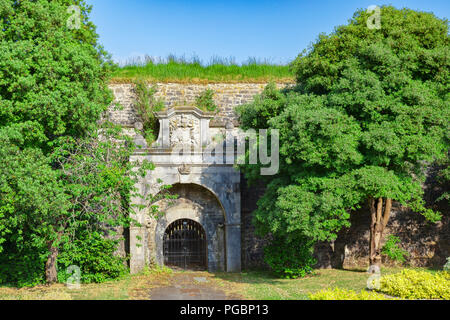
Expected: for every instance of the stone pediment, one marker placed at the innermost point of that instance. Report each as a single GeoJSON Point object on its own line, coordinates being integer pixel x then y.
{"type": "Point", "coordinates": [183, 126]}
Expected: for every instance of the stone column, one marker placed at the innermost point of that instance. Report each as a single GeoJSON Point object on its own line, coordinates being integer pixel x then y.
{"type": "Point", "coordinates": [137, 250]}
{"type": "Point", "coordinates": [138, 236]}
{"type": "Point", "coordinates": [233, 243]}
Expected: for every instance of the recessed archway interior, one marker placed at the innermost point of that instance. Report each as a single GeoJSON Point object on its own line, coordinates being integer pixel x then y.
{"type": "Point", "coordinates": [190, 233]}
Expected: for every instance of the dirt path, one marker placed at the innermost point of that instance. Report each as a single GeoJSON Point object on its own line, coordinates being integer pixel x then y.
{"type": "Point", "coordinates": [191, 286]}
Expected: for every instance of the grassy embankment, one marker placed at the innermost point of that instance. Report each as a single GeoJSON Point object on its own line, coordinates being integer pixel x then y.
{"type": "Point", "coordinates": [181, 71]}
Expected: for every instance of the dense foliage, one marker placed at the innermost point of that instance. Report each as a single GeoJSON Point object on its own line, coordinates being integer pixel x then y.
{"type": "Point", "coordinates": [146, 104]}
{"type": "Point", "coordinates": [95, 256]}
{"type": "Point", "coordinates": [392, 249]}
{"type": "Point", "coordinates": [290, 259]}
{"type": "Point", "coordinates": [65, 179]}
{"type": "Point", "coordinates": [411, 284]}
{"type": "Point", "coordinates": [369, 112]}
{"type": "Point", "coordinates": [205, 101]}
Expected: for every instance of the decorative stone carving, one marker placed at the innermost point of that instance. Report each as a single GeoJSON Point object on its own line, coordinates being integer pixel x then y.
{"type": "Point", "coordinates": [183, 126]}
{"type": "Point", "coordinates": [184, 130]}
{"type": "Point", "coordinates": [184, 169]}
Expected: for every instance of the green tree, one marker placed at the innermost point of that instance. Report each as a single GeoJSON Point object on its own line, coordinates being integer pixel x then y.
{"type": "Point", "coordinates": [31, 199]}
{"type": "Point", "coordinates": [370, 111]}
{"type": "Point", "coordinates": [99, 179]}
{"type": "Point", "coordinates": [54, 176]}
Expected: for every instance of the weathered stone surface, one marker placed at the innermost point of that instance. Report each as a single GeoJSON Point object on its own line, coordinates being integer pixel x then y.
{"type": "Point", "coordinates": [208, 190]}
{"type": "Point", "coordinates": [226, 96]}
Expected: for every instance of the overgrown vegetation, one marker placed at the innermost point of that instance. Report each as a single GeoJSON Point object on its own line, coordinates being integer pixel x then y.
{"type": "Point", "coordinates": [412, 284]}
{"type": "Point", "coordinates": [393, 251]}
{"type": "Point", "coordinates": [370, 109]}
{"type": "Point", "coordinates": [290, 259]}
{"type": "Point", "coordinates": [205, 101]}
{"type": "Point", "coordinates": [193, 71]}
{"type": "Point", "coordinates": [146, 104]}
{"type": "Point", "coordinates": [96, 257]}
{"type": "Point", "coordinates": [156, 269]}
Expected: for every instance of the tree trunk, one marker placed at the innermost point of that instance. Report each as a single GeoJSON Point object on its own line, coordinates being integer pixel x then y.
{"type": "Point", "coordinates": [380, 211]}
{"type": "Point", "coordinates": [51, 273]}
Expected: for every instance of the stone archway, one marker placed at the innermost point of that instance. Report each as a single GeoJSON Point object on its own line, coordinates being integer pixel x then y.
{"type": "Point", "coordinates": [219, 180]}
{"type": "Point", "coordinates": [198, 204]}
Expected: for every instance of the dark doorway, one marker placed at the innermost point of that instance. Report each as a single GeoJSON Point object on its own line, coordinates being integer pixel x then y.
{"type": "Point", "coordinates": [185, 245]}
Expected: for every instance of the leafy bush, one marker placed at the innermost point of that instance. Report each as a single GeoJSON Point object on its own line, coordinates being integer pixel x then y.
{"type": "Point", "coordinates": [447, 265]}
{"type": "Point", "coordinates": [344, 294]}
{"type": "Point", "coordinates": [205, 101]}
{"type": "Point", "coordinates": [95, 256]}
{"type": "Point", "coordinates": [392, 249]}
{"type": "Point", "coordinates": [411, 284]}
{"type": "Point", "coordinates": [24, 268]}
{"type": "Point", "coordinates": [290, 259]}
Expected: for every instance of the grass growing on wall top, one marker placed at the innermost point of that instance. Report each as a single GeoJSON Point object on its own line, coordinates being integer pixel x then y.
{"type": "Point", "coordinates": [183, 71]}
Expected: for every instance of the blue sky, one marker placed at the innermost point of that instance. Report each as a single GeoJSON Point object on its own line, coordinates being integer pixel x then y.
{"type": "Point", "coordinates": [273, 30]}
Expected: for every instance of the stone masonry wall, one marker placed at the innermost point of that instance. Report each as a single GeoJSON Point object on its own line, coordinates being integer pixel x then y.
{"type": "Point", "coordinates": [226, 96]}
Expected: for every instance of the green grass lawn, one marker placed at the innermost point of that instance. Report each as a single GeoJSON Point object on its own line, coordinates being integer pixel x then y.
{"type": "Point", "coordinates": [264, 286]}
{"type": "Point", "coordinates": [183, 72]}
{"type": "Point", "coordinates": [251, 285]}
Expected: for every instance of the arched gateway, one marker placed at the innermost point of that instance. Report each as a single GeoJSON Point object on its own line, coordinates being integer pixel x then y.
{"type": "Point", "coordinates": [209, 198]}
{"type": "Point", "coordinates": [184, 245]}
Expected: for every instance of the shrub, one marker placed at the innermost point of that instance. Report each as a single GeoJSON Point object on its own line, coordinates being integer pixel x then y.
{"type": "Point", "coordinates": [205, 101]}
{"type": "Point", "coordinates": [393, 251]}
{"type": "Point", "coordinates": [344, 294]}
{"type": "Point", "coordinates": [23, 268]}
{"type": "Point", "coordinates": [290, 259]}
{"type": "Point", "coordinates": [411, 284]}
{"type": "Point", "coordinates": [95, 256]}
